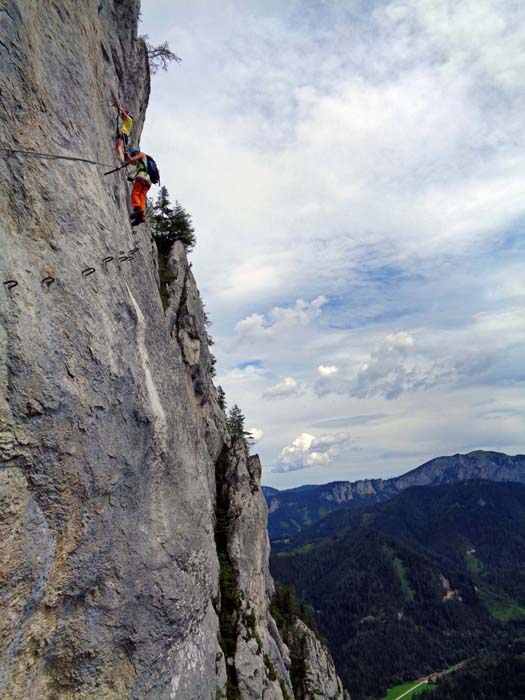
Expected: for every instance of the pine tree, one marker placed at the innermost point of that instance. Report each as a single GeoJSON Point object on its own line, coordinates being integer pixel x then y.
{"type": "Point", "coordinates": [181, 227]}
{"type": "Point", "coordinates": [236, 422]}
{"type": "Point", "coordinates": [221, 397]}
{"type": "Point", "coordinates": [162, 213]}
{"type": "Point", "coordinates": [171, 224]}
{"type": "Point", "coordinates": [150, 209]}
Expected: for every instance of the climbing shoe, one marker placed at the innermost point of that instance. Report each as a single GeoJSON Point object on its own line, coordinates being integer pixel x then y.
{"type": "Point", "coordinates": [137, 217]}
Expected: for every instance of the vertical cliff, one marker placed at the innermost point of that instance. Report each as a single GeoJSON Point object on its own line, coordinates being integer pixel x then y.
{"type": "Point", "coordinates": [134, 554]}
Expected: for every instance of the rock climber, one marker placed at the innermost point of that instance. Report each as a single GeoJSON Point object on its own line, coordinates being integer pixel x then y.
{"type": "Point", "coordinates": [123, 131]}
{"type": "Point", "coordinates": [141, 185]}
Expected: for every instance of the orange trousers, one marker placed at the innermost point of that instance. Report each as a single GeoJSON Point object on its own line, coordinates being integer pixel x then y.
{"type": "Point", "coordinates": [138, 194]}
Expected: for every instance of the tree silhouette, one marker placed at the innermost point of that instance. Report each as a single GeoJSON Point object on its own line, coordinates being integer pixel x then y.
{"type": "Point", "coordinates": [171, 224]}
{"type": "Point", "coordinates": [235, 424]}
{"type": "Point", "coordinates": [160, 56]}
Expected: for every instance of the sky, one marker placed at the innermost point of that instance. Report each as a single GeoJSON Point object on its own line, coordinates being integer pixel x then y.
{"type": "Point", "coordinates": [355, 172]}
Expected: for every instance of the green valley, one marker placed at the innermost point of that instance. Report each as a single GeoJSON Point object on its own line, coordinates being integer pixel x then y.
{"type": "Point", "coordinates": [406, 691]}
{"type": "Point", "coordinates": [417, 583]}
{"type": "Point", "coordinates": [499, 675]}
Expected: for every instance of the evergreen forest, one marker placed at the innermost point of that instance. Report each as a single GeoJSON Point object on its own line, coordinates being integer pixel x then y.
{"type": "Point", "coordinates": [416, 584]}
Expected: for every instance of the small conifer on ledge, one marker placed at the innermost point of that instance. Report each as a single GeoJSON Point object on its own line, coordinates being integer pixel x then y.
{"type": "Point", "coordinates": [170, 224]}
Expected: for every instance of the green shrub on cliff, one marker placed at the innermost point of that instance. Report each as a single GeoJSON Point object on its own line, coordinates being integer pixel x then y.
{"type": "Point", "coordinates": [171, 224]}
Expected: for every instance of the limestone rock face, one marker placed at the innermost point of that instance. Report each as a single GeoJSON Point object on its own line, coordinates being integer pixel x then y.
{"type": "Point", "coordinates": [261, 659]}
{"type": "Point", "coordinates": [316, 678]}
{"type": "Point", "coordinates": [107, 560]}
{"type": "Point", "coordinates": [114, 452]}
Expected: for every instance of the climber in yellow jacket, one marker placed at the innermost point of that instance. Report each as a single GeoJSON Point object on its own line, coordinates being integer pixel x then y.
{"type": "Point", "coordinates": [123, 131]}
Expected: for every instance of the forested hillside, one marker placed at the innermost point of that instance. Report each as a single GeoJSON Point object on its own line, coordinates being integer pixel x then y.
{"type": "Point", "coordinates": [415, 584]}
{"type": "Point", "coordinates": [496, 676]}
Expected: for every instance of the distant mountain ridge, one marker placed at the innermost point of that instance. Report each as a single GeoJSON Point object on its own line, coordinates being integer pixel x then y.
{"type": "Point", "coordinates": [294, 509]}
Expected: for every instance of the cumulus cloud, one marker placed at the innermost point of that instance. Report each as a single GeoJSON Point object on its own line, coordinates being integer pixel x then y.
{"type": "Point", "coordinates": [308, 451]}
{"type": "Point", "coordinates": [283, 389]}
{"type": "Point", "coordinates": [394, 367]}
{"type": "Point", "coordinates": [414, 112]}
{"type": "Point", "coordinates": [326, 370]}
{"type": "Point", "coordinates": [371, 153]}
{"type": "Point", "coordinates": [330, 381]}
{"type": "Point", "coordinates": [486, 352]}
{"type": "Point", "coordinates": [280, 321]}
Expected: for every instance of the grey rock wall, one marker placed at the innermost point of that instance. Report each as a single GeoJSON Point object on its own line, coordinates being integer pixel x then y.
{"type": "Point", "coordinates": [111, 437]}
{"type": "Point", "coordinates": [319, 679]}
{"type": "Point", "coordinates": [107, 502]}
{"type": "Point", "coordinates": [261, 660]}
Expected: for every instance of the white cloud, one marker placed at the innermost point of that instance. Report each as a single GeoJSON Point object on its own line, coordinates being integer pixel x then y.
{"type": "Point", "coordinates": [285, 388]}
{"type": "Point", "coordinates": [372, 154]}
{"type": "Point", "coordinates": [308, 451]}
{"type": "Point", "coordinates": [376, 128]}
{"type": "Point", "coordinates": [327, 370]}
{"type": "Point", "coordinates": [281, 321]}
{"type": "Point", "coordinates": [392, 368]}
{"type": "Point", "coordinates": [487, 351]}
{"type": "Point", "coordinates": [245, 373]}
{"type": "Point", "coordinates": [332, 384]}
{"type": "Point", "coordinates": [256, 434]}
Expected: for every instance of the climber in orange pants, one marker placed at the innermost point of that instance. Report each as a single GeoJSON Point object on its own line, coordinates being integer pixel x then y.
{"type": "Point", "coordinates": [138, 195]}
{"type": "Point", "coordinates": [141, 185]}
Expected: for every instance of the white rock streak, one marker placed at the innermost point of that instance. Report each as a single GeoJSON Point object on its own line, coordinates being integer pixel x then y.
{"type": "Point", "coordinates": [154, 399]}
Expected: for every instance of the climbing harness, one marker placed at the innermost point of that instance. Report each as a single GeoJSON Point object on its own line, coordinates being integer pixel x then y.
{"type": "Point", "coordinates": [52, 156]}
